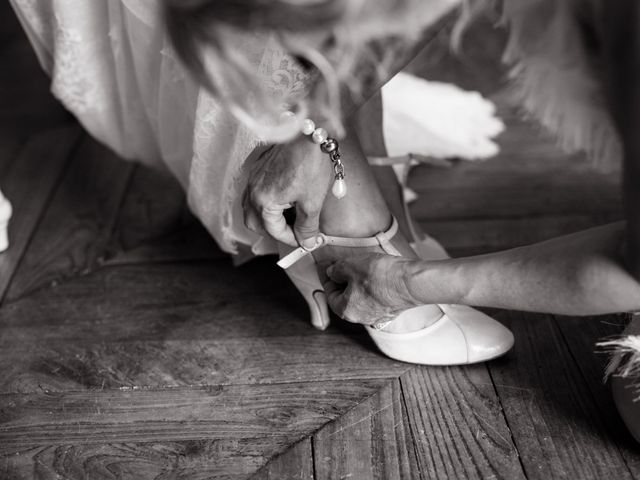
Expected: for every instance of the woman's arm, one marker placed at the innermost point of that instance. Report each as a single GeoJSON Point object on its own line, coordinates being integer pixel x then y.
{"type": "Point", "coordinates": [578, 274]}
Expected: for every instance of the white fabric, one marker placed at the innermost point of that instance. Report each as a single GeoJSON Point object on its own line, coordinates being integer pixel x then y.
{"type": "Point", "coordinates": [437, 120]}
{"type": "Point", "coordinates": [112, 66]}
{"type": "Point", "coordinates": [5, 216]}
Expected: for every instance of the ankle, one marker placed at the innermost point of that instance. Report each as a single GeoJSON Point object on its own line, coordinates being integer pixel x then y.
{"type": "Point", "coordinates": [353, 224]}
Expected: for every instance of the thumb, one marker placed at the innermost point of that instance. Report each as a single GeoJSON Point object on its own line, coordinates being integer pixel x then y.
{"type": "Point", "coordinates": [307, 227]}
{"type": "Point", "coordinates": [276, 225]}
{"type": "Point", "coordinates": [337, 272]}
{"type": "Point", "coordinates": [336, 297]}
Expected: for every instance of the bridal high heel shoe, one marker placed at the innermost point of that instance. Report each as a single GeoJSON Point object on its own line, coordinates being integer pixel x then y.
{"type": "Point", "coordinates": [461, 335]}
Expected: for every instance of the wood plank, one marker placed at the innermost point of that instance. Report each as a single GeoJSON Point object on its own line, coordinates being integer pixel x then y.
{"type": "Point", "coordinates": [581, 335]}
{"type": "Point", "coordinates": [474, 236]}
{"type": "Point", "coordinates": [556, 425]}
{"type": "Point", "coordinates": [204, 300]}
{"type": "Point", "coordinates": [29, 184]}
{"type": "Point", "coordinates": [284, 412]}
{"type": "Point", "coordinates": [531, 191]}
{"type": "Point", "coordinates": [155, 224]}
{"type": "Point", "coordinates": [458, 425]}
{"type": "Point", "coordinates": [371, 441]}
{"type": "Point", "coordinates": [11, 143]}
{"type": "Point", "coordinates": [78, 221]}
{"type": "Point", "coordinates": [531, 176]}
{"type": "Point", "coordinates": [79, 366]}
{"type": "Point", "coordinates": [294, 464]}
{"type": "Point", "coordinates": [191, 459]}
{"type": "Point", "coordinates": [187, 243]}
{"type": "Point", "coordinates": [26, 104]}
{"type": "Point", "coordinates": [517, 201]}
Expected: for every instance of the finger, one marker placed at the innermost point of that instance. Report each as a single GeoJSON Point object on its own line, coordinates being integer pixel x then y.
{"type": "Point", "coordinates": [252, 219]}
{"type": "Point", "coordinates": [307, 226]}
{"type": "Point", "coordinates": [276, 225]}
{"type": "Point", "coordinates": [335, 297]}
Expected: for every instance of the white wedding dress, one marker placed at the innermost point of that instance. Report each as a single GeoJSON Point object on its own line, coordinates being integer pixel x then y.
{"type": "Point", "coordinates": [112, 66]}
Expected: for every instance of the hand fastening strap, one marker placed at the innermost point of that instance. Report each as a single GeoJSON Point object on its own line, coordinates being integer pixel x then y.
{"type": "Point", "coordinates": [382, 239]}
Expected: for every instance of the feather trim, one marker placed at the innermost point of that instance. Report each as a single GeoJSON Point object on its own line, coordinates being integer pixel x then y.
{"type": "Point", "coordinates": [555, 75]}
{"type": "Point", "coordinates": [625, 359]}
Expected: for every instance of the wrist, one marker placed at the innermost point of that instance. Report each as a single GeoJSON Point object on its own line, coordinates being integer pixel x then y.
{"type": "Point", "coordinates": [440, 281]}
{"type": "Point", "coordinates": [408, 271]}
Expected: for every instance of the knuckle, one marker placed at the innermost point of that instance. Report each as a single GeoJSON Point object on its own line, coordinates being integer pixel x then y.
{"type": "Point", "coordinates": [305, 229]}
{"type": "Point", "coordinates": [311, 211]}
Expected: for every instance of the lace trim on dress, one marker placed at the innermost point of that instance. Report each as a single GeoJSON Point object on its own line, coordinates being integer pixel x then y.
{"type": "Point", "coordinates": [282, 77]}
{"type": "Point", "coordinates": [71, 80]}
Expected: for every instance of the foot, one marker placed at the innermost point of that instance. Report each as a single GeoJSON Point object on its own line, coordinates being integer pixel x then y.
{"type": "Point", "coordinates": [369, 225]}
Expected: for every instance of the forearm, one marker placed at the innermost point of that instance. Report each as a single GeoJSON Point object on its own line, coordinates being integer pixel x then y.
{"type": "Point", "coordinates": [579, 274]}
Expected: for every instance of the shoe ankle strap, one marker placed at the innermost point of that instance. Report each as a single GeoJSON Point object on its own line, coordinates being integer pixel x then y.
{"type": "Point", "coordinates": [382, 240]}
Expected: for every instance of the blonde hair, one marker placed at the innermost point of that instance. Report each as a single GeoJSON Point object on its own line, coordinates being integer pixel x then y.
{"type": "Point", "coordinates": [351, 56]}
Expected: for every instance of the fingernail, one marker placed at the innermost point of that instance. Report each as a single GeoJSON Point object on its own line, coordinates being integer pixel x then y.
{"type": "Point", "coordinates": [330, 271]}
{"type": "Point", "coordinates": [311, 242]}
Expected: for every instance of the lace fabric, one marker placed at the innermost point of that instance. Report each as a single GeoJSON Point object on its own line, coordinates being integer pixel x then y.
{"type": "Point", "coordinates": [112, 66]}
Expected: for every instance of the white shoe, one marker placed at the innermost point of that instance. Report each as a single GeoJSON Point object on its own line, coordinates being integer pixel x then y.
{"type": "Point", "coordinates": [460, 336]}
{"type": "Point", "coordinates": [5, 215]}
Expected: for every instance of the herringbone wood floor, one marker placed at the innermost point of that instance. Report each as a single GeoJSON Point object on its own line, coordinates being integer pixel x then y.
{"type": "Point", "coordinates": [132, 348]}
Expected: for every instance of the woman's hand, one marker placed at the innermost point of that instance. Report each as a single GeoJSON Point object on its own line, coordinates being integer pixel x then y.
{"type": "Point", "coordinates": [297, 175]}
{"type": "Point", "coordinates": [369, 289]}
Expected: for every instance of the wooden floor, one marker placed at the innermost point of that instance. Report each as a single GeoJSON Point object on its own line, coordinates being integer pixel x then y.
{"type": "Point", "coordinates": [131, 348]}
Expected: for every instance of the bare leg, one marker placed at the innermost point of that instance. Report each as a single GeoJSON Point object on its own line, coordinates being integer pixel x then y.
{"type": "Point", "coordinates": [368, 125]}
{"type": "Point", "coordinates": [363, 212]}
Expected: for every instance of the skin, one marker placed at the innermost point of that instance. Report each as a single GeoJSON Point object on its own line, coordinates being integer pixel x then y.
{"type": "Point", "coordinates": [295, 174]}
{"type": "Point", "coordinates": [278, 180]}
{"type": "Point", "coordinates": [579, 274]}
{"type": "Point", "coordinates": [595, 271]}
{"type": "Point", "coordinates": [591, 272]}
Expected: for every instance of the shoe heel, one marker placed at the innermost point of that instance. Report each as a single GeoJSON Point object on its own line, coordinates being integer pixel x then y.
{"type": "Point", "coordinates": [304, 276]}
